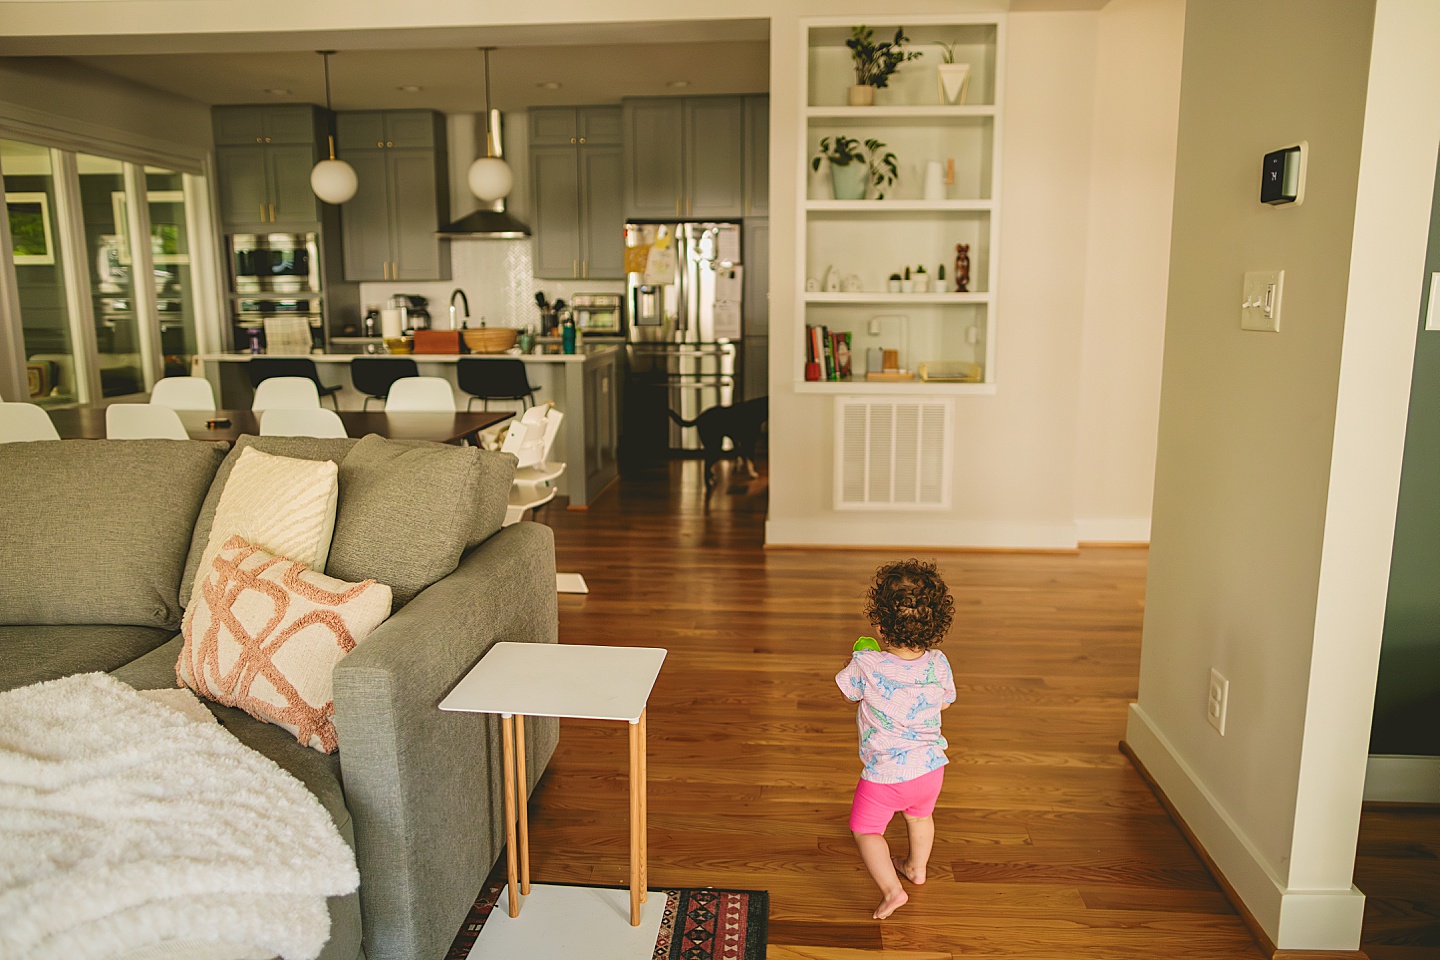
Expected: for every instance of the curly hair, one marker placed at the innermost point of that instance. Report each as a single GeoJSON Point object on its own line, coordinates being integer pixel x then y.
{"type": "Point", "coordinates": [910, 605]}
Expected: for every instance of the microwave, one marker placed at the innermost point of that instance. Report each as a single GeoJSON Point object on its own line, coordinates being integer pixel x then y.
{"type": "Point", "coordinates": [273, 263]}
{"type": "Point", "coordinates": [599, 313]}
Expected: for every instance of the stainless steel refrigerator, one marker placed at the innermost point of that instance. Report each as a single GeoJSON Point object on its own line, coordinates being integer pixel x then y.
{"type": "Point", "coordinates": [686, 323]}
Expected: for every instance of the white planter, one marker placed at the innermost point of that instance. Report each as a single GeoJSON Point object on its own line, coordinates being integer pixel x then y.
{"type": "Point", "coordinates": [862, 95]}
{"type": "Point", "coordinates": [893, 286]}
{"type": "Point", "coordinates": [922, 284]}
{"type": "Point", "coordinates": [954, 82]}
{"type": "Point", "coordinates": [907, 286]}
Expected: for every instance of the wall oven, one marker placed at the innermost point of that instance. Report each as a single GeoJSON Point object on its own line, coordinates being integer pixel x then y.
{"type": "Point", "coordinates": [250, 314]}
{"type": "Point", "coordinates": [273, 263]}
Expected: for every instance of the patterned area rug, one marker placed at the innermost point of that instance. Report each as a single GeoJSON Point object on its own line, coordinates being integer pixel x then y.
{"type": "Point", "coordinates": [699, 924]}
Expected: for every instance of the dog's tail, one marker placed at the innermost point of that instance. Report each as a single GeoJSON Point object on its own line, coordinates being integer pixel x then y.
{"type": "Point", "coordinates": [678, 419]}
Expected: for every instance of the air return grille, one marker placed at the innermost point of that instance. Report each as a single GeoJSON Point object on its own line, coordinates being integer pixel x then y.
{"type": "Point", "coordinates": [892, 453]}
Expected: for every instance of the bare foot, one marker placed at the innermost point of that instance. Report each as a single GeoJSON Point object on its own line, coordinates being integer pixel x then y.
{"type": "Point", "coordinates": [891, 903]}
{"type": "Point", "coordinates": [916, 877]}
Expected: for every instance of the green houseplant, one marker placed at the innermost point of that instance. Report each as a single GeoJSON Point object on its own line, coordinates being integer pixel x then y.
{"type": "Point", "coordinates": [874, 62]}
{"type": "Point", "coordinates": [954, 77]}
{"type": "Point", "coordinates": [856, 166]}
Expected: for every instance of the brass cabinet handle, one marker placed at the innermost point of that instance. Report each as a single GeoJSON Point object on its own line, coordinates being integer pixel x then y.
{"type": "Point", "coordinates": [262, 213]}
{"type": "Point", "coordinates": [379, 143]}
{"type": "Point", "coordinates": [677, 206]}
{"type": "Point", "coordinates": [582, 139]}
{"type": "Point", "coordinates": [267, 139]}
{"type": "Point", "coordinates": [585, 268]}
{"type": "Point", "coordinates": [272, 213]}
{"type": "Point", "coordinates": [389, 143]}
{"type": "Point", "coordinates": [259, 139]}
{"type": "Point", "coordinates": [575, 268]}
{"type": "Point", "coordinates": [572, 139]}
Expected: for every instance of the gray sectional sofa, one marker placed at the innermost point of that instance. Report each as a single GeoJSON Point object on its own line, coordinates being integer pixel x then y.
{"type": "Point", "coordinates": [99, 545]}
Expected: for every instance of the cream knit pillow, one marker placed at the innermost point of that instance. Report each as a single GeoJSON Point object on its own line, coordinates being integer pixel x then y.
{"type": "Point", "coordinates": [264, 633]}
{"type": "Point", "coordinates": [282, 505]}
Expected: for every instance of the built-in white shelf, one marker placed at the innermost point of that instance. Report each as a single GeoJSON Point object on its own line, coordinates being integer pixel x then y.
{"type": "Point", "coordinates": [934, 112]}
{"type": "Point", "coordinates": [884, 296]}
{"type": "Point", "coordinates": [899, 206]}
{"type": "Point", "coordinates": [903, 387]}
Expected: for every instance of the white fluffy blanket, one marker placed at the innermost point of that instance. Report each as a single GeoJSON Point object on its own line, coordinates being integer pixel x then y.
{"type": "Point", "coordinates": [126, 824]}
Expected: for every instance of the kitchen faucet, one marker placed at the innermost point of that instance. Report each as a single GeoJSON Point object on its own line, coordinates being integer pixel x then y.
{"type": "Point", "coordinates": [457, 292]}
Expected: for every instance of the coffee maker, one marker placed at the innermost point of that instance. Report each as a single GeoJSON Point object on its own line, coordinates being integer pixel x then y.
{"type": "Point", "coordinates": [416, 310]}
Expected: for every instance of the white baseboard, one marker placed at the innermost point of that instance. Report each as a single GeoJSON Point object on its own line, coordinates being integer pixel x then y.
{"type": "Point", "coordinates": [1292, 919]}
{"type": "Point", "coordinates": [844, 529]}
{"type": "Point", "coordinates": [1391, 778]}
{"type": "Point", "coordinates": [1113, 529]}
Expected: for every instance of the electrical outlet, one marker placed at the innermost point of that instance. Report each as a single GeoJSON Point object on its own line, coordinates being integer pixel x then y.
{"type": "Point", "coordinates": [1218, 702]}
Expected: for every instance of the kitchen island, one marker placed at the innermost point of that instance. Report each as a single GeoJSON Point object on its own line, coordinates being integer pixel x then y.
{"type": "Point", "coordinates": [584, 386]}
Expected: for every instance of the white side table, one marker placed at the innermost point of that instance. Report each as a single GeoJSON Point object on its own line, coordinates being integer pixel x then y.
{"type": "Point", "coordinates": [516, 680]}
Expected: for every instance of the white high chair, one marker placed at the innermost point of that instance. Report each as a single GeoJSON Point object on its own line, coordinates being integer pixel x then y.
{"type": "Point", "coordinates": [531, 439]}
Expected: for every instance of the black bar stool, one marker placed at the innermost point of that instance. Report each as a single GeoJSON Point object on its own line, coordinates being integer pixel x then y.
{"type": "Point", "coordinates": [488, 380]}
{"type": "Point", "coordinates": [374, 376]}
{"type": "Point", "coordinates": [263, 368]}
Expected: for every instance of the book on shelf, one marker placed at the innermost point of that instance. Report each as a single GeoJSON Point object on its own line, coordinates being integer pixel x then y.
{"type": "Point", "coordinates": [840, 349]}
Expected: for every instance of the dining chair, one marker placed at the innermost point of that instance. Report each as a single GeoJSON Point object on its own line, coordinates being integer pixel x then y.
{"type": "Point", "coordinates": [494, 379]}
{"type": "Point", "coordinates": [373, 376]}
{"type": "Point", "coordinates": [260, 369]}
{"type": "Point", "coordinates": [25, 421]}
{"type": "Point", "coordinates": [184, 393]}
{"type": "Point", "coordinates": [295, 393]}
{"type": "Point", "coordinates": [306, 422]}
{"type": "Point", "coordinates": [427, 394]}
{"type": "Point", "coordinates": [143, 421]}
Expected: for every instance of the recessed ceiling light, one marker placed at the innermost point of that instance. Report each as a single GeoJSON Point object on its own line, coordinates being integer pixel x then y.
{"type": "Point", "coordinates": [410, 88]}
{"type": "Point", "coordinates": [277, 91]}
{"type": "Point", "coordinates": [678, 84]}
{"type": "Point", "coordinates": [548, 85]}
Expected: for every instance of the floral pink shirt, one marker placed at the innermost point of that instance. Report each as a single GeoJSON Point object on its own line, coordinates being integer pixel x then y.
{"type": "Point", "coordinates": [899, 713]}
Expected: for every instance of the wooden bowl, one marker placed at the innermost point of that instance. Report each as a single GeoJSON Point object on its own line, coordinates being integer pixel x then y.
{"type": "Point", "coordinates": [490, 339]}
{"type": "Point", "coordinates": [399, 344]}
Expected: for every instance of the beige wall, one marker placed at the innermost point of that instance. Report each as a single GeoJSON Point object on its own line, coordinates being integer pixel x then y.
{"type": "Point", "coordinates": [1278, 454]}
{"type": "Point", "coordinates": [1132, 183]}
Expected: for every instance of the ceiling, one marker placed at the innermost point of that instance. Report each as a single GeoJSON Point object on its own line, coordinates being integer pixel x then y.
{"type": "Point", "coordinates": [451, 79]}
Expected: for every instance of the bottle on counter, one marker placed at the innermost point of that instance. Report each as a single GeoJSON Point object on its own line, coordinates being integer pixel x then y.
{"type": "Point", "coordinates": [567, 337]}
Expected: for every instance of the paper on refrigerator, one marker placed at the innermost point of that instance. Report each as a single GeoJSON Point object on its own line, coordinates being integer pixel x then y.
{"type": "Point", "coordinates": [729, 291]}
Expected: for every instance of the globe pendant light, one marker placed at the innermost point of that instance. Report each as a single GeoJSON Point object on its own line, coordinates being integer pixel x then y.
{"type": "Point", "coordinates": [490, 177]}
{"type": "Point", "coordinates": [332, 180]}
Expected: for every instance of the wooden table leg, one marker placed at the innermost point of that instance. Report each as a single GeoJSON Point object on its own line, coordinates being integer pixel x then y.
{"type": "Point", "coordinates": [507, 740]}
{"type": "Point", "coordinates": [635, 824]}
{"type": "Point", "coordinates": [523, 803]}
{"type": "Point", "coordinates": [644, 813]}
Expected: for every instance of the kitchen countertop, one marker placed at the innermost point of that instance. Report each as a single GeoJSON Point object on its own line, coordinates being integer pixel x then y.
{"type": "Point", "coordinates": [545, 353]}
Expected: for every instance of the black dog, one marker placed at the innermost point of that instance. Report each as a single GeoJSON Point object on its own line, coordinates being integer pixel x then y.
{"type": "Point", "coordinates": [742, 423]}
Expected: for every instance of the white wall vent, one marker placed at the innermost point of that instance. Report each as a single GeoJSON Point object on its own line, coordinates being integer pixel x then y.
{"type": "Point", "coordinates": [893, 453]}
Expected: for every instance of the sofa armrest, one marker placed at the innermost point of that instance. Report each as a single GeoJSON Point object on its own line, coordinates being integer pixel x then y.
{"type": "Point", "coordinates": [422, 785]}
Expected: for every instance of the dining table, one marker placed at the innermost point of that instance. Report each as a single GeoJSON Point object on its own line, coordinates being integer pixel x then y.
{"type": "Point", "coordinates": [88, 423]}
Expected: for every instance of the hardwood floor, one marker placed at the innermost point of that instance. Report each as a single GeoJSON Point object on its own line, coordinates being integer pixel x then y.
{"type": "Point", "coordinates": [1397, 864]}
{"type": "Point", "coordinates": [1049, 845]}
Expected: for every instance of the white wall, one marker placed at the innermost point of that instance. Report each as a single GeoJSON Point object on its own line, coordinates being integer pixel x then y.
{"type": "Point", "coordinates": [1132, 185]}
{"type": "Point", "coordinates": [1279, 454]}
{"type": "Point", "coordinates": [1090, 101]}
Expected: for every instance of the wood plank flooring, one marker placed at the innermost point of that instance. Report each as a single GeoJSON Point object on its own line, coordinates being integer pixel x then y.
{"type": "Point", "coordinates": [1397, 865]}
{"type": "Point", "coordinates": [1049, 845]}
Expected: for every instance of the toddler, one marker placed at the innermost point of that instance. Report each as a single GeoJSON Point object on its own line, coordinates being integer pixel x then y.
{"type": "Point", "coordinates": [902, 687]}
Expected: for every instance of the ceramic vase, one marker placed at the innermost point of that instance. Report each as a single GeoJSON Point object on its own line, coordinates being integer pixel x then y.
{"type": "Point", "coordinates": [862, 95]}
{"type": "Point", "coordinates": [850, 179]}
{"type": "Point", "coordinates": [954, 82]}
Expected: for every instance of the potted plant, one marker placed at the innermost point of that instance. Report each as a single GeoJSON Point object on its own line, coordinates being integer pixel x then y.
{"type": "Point", "coordinates": [922, 280]}
{"type": "Point", "coordinates": [874, 62]}
{"type": "Point", "coordinates": [894, 283]}
{"type": "Point", "coordinates": [954, 77]}
{"type": "Point", "coordinates": [855, 167]}
{"type": "Point", "coordinates": [907, 285]}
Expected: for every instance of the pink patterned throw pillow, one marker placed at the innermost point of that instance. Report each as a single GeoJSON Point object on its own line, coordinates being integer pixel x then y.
{"type": "Point", "coordinates": [263, 633]}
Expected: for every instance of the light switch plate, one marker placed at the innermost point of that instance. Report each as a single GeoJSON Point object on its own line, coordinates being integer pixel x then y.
{"type": "Point", "coordinates": [1432, 316]}
{"type": "Point", "coordinates": [1260, 309]}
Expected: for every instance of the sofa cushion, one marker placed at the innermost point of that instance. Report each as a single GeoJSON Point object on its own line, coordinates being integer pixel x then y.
{"type": "Point", "coordinates": [264, 633]}
{"type": "Point", "coordinates": [30, 654]}
{"type": "Point", "coordinates": [409, 510]}
{"type": "Point", "coordinates": [300, 448]}
{"type": "Point", "coordinates": [96, 531]}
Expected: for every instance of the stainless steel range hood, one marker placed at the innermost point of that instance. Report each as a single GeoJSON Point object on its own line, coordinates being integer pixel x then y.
{"type": "Point", "coordinates": [490, 222]}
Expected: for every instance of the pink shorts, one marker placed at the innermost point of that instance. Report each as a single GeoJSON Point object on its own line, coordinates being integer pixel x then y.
{"type": "Point", "coordinates": [876, 803]}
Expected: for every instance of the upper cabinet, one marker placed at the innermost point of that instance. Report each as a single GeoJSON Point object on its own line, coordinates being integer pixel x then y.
{"type": "Point", "coordinates": [263, 158]}
{"type": "Point", "coordinates": [685, 157]}
{"type": "Point", "coordinates": [389, 225]}
{"type": "Point", "coordinates": [575, 172]}
{"type": "Point", "coordinates": [757, 157]}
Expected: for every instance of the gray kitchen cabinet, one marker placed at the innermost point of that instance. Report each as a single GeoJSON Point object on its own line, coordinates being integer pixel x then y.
{"type": "Point", "coordinates": [654, 159]}
{"type": "Point", "coordinates": [389, 225]}
{"type": "Point", "coordinates": [263, 159]}
{"type": "Point", "coordinates": [755, 240]}
{"type": "Point", "coordinates": [577, 217]}
{"type": "Point", "coordinates": [757, 156]}
{"type": "Point", "coordinates": [714, 158]}
{"type": "Point", "coordinates": [685, 158]}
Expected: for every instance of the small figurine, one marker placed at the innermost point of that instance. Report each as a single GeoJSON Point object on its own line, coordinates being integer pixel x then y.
{"type": "Point", "coordinates": [962, 268]}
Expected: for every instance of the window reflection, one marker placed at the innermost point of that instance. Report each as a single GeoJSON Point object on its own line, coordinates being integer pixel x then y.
{"type": "Point", "coordinates": [118, 339]}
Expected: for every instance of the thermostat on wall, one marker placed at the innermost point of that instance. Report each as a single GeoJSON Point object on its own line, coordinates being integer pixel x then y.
{"type": "Point", "coordinates": [1282, 176]}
